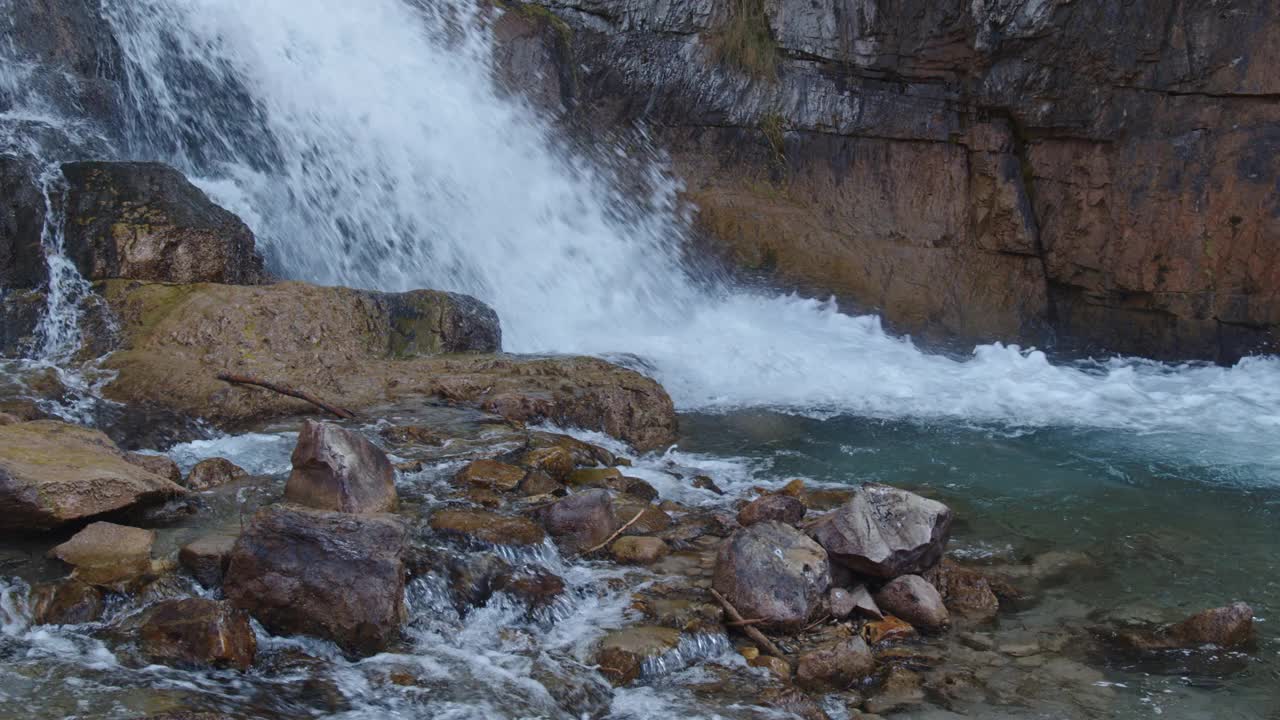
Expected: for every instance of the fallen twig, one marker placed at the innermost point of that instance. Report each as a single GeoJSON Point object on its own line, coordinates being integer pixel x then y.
{"type": "Point", "coordinates": [341, 412]}
{"type": "Point", "coordinates": [765, 643]}
{"type": "Point", "coordinates": [616, 533]}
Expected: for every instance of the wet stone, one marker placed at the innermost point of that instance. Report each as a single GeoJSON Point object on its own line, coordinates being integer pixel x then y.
{"type": "Point", "coordinates": [622, 653]}
{"type": "Point", "coordinates": [195, 632]}
{"type": "Point", "coordinates": [207, 558]}
{"type": "Point", "coordinates": [212, 473]}
{"type": "Point", "coordinates": [106, 554]}
{"type": "Point", "coordinates": [779, 508]}
{"type": "Point", "coordinates": [914, 600]}
{"type": "Point", "coordinates": [490, 474]}
{"type": "Point", "coordinates": [66, 602]}
{"type": "Point", "coordinates": [158, 464]}
{"type": "Point", "coordinates": [487, 527]}
{"type": "Point", "coordinates": [638, 550]}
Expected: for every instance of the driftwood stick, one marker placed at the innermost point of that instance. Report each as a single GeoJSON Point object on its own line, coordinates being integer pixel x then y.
{"type": "Point", "coordinates": [765, 643]}
{"type": "Point", "coordinates": [616, 533]}
{"type": "Point", "coordinates": [752, 621]}
{"type": "Point", "coordinates": [341, 412]}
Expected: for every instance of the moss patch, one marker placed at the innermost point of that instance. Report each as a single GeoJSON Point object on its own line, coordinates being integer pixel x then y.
{"type": "Point", "coordinates": [746, 42]}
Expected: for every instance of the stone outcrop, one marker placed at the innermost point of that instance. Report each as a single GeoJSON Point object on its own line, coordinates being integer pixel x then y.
{"type": "Point", "coordinates": [884, 532]}
{"type": "Point", "coordinates": [146, 221]}
{"type": "Point", "coordinates": [972, 170]}
{"type": "Point", "coordinates": [53, 473]}
{"type": "Point", "coordinates": [333, 575]}
{"type": "Point", "coordinates": [348, 347]}
{"type": "Point", "coordinates": [773, 572]}
{"type": "Point", "coordinates": [336, 469]}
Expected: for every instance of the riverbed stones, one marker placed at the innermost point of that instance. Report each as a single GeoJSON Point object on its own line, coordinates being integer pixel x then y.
{"type": "Point", "coordinates": [53, 473]}
{"type": "Point", "coordinates": [336, 469]}
{"type": "Point", "coordinates": [195, 633]}
{"type": "Point", "coordinates": [146, 221]}
{"type": "Point", "coordinates": [490, 474]}
{"type": "Point", "coordinates": [214, 472]}
{"type": "Point", "coordinates": [884, 532]}
{"type": "Point", "coordinates": [207, 558]}
{"type": "Point", "coordinates": [622, 653]}
{"type": "Point", "coordinates": [773, 572]}
{"type": "Point", "coordinates": [835, 666]}
{"type": "Point", "coordinates": [845, 602]}
{"type": "Point", "coordinates": [638, 550]}
{"type": "Point", "coordinates": [334, 575]}
{"type": "Point", "coordinates": [580, 521]}
{"type": "Point", "coordinates": [779, 508]}
{"type": "Point", "coordinates": [487, 527]}
{"type": "Point", "coordinates": [106, 554]}
{"type": "Point", "coordinates": [913, 599]}
{"type": "Point", "coordinates": [967, 593]}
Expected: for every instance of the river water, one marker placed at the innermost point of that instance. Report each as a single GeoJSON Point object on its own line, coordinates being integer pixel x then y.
{"type": "Point", "coordinates": [366, 145]}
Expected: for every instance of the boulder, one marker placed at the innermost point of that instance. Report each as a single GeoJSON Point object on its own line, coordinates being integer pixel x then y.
{"type": "Point", "coordinates": [214, 472]}
{"type": "Point", "coordinates": [159, 464]}
{"type": "Point", "coordinates": [637, 550]}
{"type": "Point", "coordinates": [65, 602]}
{"type": "Point", "coordinates": [145, 221]}
{"type": "Point", "coordinates": [913, 599]}
{"type": "Point", "coordinates": [580, 521]}
{"type": "Point", "coordinates": [336, 469]}
{"type": "Point", "coordinates": [1224, 626]}
{"type": "Point", "coordinates": [884, 532]}
{"type": "Point", "coordinates": [491, 474]}
{"type": "Point", "coordinates": [337, 576]}
{"type": "Point", "coordinates": [773, 572]}
{"type": "Point", "coordinates": [194, 633]}
{"type": "Point", "coordinates": [340, 344]}
{"type": "Point", "coordinates": [107, 555]}
{"type": "Point", "coordinates": [487, 527]}
{"type": "Point", "coordinates": [835, 667]}
{"type": "Point", "coordinates": [622, 653]}
{"type": "Point", "coordinates": [778, 508]}
{"type": "Point", "coordinates": [207, 558]}
{"type": "Point", "coordinates": [554, 461]}
{"type": "Point", "coordinates": [22, 213]}
{"type": "Point", "coordinates": [645, 517]}
{"type": "Point", "coordinates": [53, 473]}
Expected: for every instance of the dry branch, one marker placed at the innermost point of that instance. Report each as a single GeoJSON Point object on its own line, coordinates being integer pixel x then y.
{"type": "Point", "coordinates": [765, 643]}
{"type": "Point", "coordinates": [341, 412]}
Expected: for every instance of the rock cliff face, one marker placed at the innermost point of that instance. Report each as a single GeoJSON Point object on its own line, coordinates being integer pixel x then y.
{"type": "Point", "coordinates": [1104, 175]}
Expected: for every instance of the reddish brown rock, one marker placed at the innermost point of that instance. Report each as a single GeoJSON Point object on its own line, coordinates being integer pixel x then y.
{"type": "Point", "coordinates": [488, 527]}
{"type": "Point", "coordinates": [966, 592]}
{"type": "Point", "coordinates": [214, 472]}
{"type": "Point", "coordinates": [195, 632]}
{"type": "Point", "coordinates": [334, 575]}
{"type": "Point", "coordinates": [336, 469]}
{"type": "Point", "coordinates": [66, 602]}
{"type": "Point", "coordinates": [635, 550]}
{"type": "Point", "coordinates": [779, 508]}
{"type": "Point", "coordinates": [580, 521]}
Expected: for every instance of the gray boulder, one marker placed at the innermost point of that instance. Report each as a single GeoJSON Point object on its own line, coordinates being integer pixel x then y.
{"type": "Point", "coordinates": [772, 571]}
{"type": "Point", "coordinates": [884, 532]}
{"type": "Point", "coordinates": [336, 469]}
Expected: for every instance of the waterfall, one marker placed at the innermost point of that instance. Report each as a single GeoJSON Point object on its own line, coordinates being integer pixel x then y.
{"type": "Point", "coordinates": [366, 145]}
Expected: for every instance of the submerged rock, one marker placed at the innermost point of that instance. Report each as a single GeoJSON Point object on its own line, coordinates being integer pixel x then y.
{"type": "Point", "coordinates": [622, 653]}
{"type": "Point", "coordinates": [145, 221]}
{"type": "Point", "coordinates": [214, 472]}
{"type": "Point", "coordinates": [580, 521]}
{"type": "Point", "coordinates": [487, 527]}
{"type": "Point", "coordinates": [779, 508]}
{"type": "Point", "coordinates": [913, 599]}
{"type": "Point", "coordinates": [65, 602]}
{"type": "Point", "coordinates": [773, 572]}
{"type": "Point", "coordinates": [107, 555]}
{"type": "Point", "coordinates": [195, 633]}
{"type": "Point", "coordinates": [207, 558]}
{"type": "Point", "coordinates": [336, 469]}
{"type": "Point", "coordinates": [53, 473]}
{"type": "Point", "coordinates": [966, 592]}
{"type": "Point", "coordinates": [334, 575]}
{"type": "Point", "coordinates": [885, 532]}
{"type": "Point", "coordinates": [835, 666]}
{"type": "Point", "coordinates": [491, 474]}
{"type": "Point", "coordinates": [1227, 627]}
{"type": "Point", "coordinates": [637, 550]}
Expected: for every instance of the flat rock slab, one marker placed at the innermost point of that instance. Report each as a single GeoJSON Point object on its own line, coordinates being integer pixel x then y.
{"type": "Point", "coordinates": [52, 473]}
